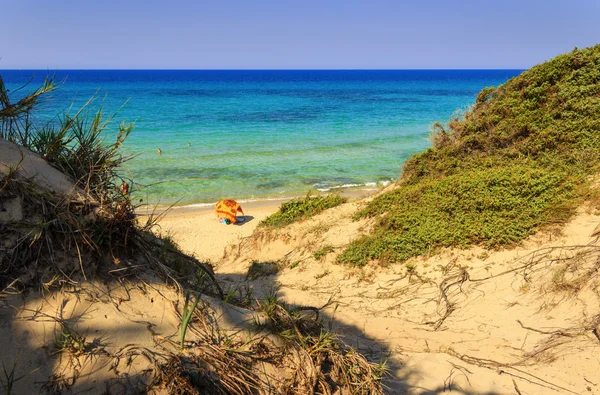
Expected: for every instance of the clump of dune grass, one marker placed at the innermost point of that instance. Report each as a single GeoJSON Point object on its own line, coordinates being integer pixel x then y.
{"type": "Point", "coordinates": [323, 363]}
{"type": "Point", "coordinates": [69, 236]}
{"type": "Point", "coordinates": [519, 160]}
{"type": "Point", "coordinates": [301, 209]}
{"type": "Point", "coordinates": [99, 221]}
{"type": "Point", "coordinates": [182, 375]}
{"type": "Point", "coordinates": [308, 358]}
{"type": "Point", "coordinates": [322, 252]}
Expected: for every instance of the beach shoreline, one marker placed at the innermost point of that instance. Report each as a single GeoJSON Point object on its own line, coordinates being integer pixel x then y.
{"type": "Point", "coordinates": [199, 233]}
{"type": "Point", "coordinates": [356, 193]}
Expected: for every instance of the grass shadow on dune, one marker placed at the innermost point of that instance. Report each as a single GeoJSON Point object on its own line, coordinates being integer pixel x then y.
{"type": "Point", "coordinates": [326, 359]}
{"type": "Point", "coordinates": [274, 314]}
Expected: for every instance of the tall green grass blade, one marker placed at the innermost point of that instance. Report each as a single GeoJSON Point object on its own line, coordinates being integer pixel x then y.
{"type": "Point", "coordinates": [186, 317]}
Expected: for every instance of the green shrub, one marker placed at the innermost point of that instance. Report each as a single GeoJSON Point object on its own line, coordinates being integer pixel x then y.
{"type": "Point", "coordinates": [517, 160]}
{"type": "Point", "coordinates": [302, 208]}
{"type": "Point", "coordinates": [487, 207]}
{"type": "Point", "coordinates": [322, 253]}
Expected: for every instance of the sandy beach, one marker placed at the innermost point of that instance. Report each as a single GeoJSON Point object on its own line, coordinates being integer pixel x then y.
{"type": "Point", "coordinates": [198, 231]}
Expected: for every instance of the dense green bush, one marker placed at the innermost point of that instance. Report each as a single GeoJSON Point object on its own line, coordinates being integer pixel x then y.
{"type": "Point", "coordinates": [489, 207]}
{"type": "Point", "coordinates": [518, 159]}
{"type": "Point", "coordinates": [299, 209]}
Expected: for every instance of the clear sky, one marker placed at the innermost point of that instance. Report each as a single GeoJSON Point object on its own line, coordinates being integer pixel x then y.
{"type": "Point", "coordinates": [299, 34]}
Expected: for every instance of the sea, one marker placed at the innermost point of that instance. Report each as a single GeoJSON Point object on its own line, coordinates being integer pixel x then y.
{"type": "Point", "coordinates": [261, 134]}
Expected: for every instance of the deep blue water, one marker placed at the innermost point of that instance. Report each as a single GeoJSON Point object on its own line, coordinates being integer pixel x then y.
{"type": "Point", "coordinates": [264, 134]}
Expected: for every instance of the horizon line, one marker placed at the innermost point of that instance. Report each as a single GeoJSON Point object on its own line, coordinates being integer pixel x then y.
{"type": "Point", "coordinates": [257, 69]}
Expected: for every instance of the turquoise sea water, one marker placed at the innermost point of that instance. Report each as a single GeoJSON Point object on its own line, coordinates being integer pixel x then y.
{"type": "Point", "coordinates": [266, 134]}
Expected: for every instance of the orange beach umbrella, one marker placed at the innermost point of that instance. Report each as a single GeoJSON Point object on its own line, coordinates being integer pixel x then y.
{"type": "Point", "coordinates": [228, 209]}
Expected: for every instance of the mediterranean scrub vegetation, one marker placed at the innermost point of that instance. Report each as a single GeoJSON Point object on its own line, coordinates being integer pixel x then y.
{"type": "Point", "coordinates": [300, 209]}
{"type": "Point", "coordinates": [520, 159]}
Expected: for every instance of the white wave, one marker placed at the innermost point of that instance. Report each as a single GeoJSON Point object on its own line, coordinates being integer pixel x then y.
{"type": "Point", "coordinates": [249, 200]}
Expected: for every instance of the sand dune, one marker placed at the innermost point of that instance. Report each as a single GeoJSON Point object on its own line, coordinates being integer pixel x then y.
{"type": "Point", "coordinates": [520, 320]}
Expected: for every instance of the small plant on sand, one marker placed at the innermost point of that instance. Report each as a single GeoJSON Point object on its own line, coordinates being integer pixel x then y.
{"type": "Point", "coordinates": [230, 295]}
{"type": "Point", "coordinates": [239, 295]}
{"type": "Point", "coordinates": [321, 275]}
{"type": "Point", "coordinates": [69, 342]}
{"type": "Point", "coordinates": [301, 209]}
{"type": "Point", "coordinates": [186, 317]}
{"type": "Point", "coordinates": [322, 253]}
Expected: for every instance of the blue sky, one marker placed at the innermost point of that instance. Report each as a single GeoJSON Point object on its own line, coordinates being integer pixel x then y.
{"type": "Point", "coordinates": [280, 34]}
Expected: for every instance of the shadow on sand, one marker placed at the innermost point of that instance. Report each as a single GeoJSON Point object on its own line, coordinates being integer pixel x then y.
{"type": "Point", "coordinates": [46, 370]}
{"type": "Point", "coordinates": [398, 382]}
{"type": "Point", "coordinates": [243, 220]}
